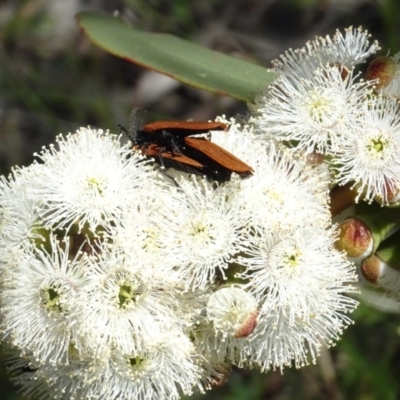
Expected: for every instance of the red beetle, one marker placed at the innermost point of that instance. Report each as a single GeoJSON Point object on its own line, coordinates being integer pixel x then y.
{"type": "Point", "coordinates": [172, 144]}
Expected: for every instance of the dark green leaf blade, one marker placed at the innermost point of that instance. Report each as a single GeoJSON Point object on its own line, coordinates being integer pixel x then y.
{"type": "Point", "coordinates": [185, 61]}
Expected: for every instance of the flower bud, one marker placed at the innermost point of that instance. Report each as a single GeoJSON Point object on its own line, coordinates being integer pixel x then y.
{"type": "Point", "coordinates": [233, 312]}
{"type": "Point", "coordinates": [383, 69]}
{"type": "Point", "coordinates": [370, 268]}
{"type": "Point", "coordinates": [355, 238]}
{"type": "Point", "coordinates": [378, 272]}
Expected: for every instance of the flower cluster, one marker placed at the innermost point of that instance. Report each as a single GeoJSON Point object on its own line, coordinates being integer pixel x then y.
{"type": "Point", "coordinates": [121, 280]}
{"type": "Point", "coordinates": [320, 105]}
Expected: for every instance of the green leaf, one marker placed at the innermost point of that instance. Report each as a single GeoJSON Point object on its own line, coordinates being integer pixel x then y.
{"type": "Point", "coordinates": [187, 62]}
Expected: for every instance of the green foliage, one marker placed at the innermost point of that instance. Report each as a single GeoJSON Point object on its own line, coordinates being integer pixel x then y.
{"type": "Point", "coordinates": [187, 62]}
{"type": "Point", "coordinates": [390, 10]}
{"type": "Point", "coordinates": [371, 348]}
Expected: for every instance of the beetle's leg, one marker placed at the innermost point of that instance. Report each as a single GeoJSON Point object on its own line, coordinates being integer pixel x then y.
{"type": "Point", "coordinates": [160, 159]}
{"type": "Point", "coordinates": [174, 145]}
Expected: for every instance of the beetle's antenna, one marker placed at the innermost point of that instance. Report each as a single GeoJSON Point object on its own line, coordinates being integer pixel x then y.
{"type": "Point", "coordinates": [135, 123]}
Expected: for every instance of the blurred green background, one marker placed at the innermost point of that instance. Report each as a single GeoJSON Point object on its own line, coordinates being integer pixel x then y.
{"type": "Point", "coordinates": [53, 80]}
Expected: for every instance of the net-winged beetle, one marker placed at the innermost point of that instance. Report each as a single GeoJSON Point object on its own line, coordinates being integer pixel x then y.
{"type": "Point", "coordinates": [172, 144]}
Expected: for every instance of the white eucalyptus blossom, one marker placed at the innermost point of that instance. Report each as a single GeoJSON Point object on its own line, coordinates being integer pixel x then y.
{"type": "Point", "coordinates": [346, 50]}
{"type": "Point", "coordinates": [128, 300]}
{"type": "Point", "coordinates": [300, 281]}
{"type": "Point", "coordinates": [143, 233]}
{"type": "Point", "coordinates": [285, 191]}
{"type": "Point", "coordinates": [285, 267]}
{"type": "Point", "coordinates": [19, 221]}
{"type": "Point", "coordinates": [43, 300]}
{"type": "Point", "coordinates": [89, 179]}
{"type": "Point", "coordinates": [205, 229]}
{"type": "Point", "coordinates": [165, 369]}
{"type": "Point", "coordinates": [79, 379]}
{"type": "Point", "coordinates": [370, 155]}
{"type": "Point", "coordinates": [278, 341]}
{"type": "Point", "coordinates": [312, 114]}
{"type": "Point", "coordinates": [281, 182]}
